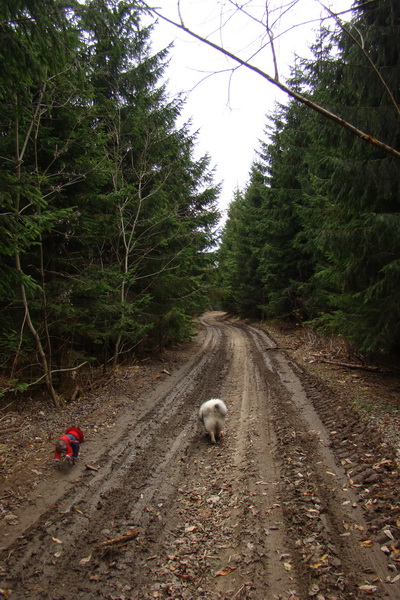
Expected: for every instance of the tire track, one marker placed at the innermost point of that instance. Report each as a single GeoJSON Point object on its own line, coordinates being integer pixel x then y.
{"type": "Point", "coordinates": [267, 513]}
{"type": "Point", "coordinates": [322, 504]}
{"type": "Point", "coordinates": [162, 427]}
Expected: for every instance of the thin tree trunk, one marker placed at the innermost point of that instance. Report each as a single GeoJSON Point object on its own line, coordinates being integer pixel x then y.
{"type": "Point", "coordinates": [39, 348]}
{"type": "Point", "coordinates": [19, 154]}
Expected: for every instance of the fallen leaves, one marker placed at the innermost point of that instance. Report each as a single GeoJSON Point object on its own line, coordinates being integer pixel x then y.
{"type": "Point", "coordinates": [190, 528]}
{"type": "Point", "coordinates": [314, 590]}
{"type": "Point", "coordinates": [368, 589]}
{"type": "Point", "coordinates": [222, 523]}
{"type": "Point", "coordinates": [366, 544]}
{"type": "Point", "coordinates": [226, 571]}
{"type": "Point", "coordinates": [56, 540]}
{"type": "Point", "coordinates": [287, 565]}
{"type": "Point", "coordinates": [389, 534]}
{"type": "Point", "coordinates": [322, 562]}
{"type": "Point", "coordinates": [11, 519]}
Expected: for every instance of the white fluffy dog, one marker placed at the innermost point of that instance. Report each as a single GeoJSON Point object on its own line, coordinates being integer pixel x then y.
{"type": "Point", "coordinates": [212, 414]}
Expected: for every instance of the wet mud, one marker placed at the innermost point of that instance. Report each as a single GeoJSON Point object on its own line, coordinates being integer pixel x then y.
{"type": "Point", "coordinates": [298, 499]}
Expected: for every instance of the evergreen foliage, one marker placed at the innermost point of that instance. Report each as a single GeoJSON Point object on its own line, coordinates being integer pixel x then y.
{"type": "Point", "coordinates": [106, 219]}
{"type": "Point", "coordinates": [361, 185]}
{"type": "Point", "coordinates": [285, 261]}
{"type": "Point", "coordinates": [239, 251]}
{"type": "Point", "coordinates": [328, 249]}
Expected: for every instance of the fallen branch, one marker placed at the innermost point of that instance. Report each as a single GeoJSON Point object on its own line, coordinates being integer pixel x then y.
{"type": "Point", "coordinates": [123, 538]}
{"type": "Point", "coordinates": [10, 430]}
{"type": "Point", "coordinates": [349, 365]}
{"type": "Point", "coordinates": [76, 392]}
{"type": "Point", "coordinates": [92, 467]}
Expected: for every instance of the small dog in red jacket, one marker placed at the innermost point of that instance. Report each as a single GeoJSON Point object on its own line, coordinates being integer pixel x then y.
{"type": "Point", "coordinates": [69, 445]}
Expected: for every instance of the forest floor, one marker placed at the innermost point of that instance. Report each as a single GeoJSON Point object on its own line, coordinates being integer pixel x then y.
{"type": "Point", "coordinates": [299, 499]}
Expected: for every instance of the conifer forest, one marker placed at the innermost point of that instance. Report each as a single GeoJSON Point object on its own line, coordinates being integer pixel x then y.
{"type": "Point", "coordinates": [107, 219]}
{"type": "Point", "coordinates": [109, 224]}
{"type": "Point", "coordinates": [198, 402]}
{"type": "Point", "coordinates": [315, 236]}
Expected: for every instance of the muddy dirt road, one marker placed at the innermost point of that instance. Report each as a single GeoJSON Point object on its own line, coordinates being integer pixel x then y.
{"type": "Point", "coordinates": [282, 508]}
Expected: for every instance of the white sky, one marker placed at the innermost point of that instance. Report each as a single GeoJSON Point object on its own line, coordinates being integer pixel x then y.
{"type": "Point", "coordinates": [229, 109]}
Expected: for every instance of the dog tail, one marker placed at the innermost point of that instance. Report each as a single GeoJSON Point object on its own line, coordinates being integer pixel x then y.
{"type": "Point", "coordinates": [220, 409]}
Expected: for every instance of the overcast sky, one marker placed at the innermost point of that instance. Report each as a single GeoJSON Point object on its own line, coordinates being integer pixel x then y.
{"type": "Point", "coordinates": [230, 108]}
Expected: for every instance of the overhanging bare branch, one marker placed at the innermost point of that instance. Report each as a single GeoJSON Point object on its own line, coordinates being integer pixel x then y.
{"type": "Point", "coordinates": [365, 137]}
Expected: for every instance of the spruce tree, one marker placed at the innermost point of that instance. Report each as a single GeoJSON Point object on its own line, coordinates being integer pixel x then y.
{"type": "Point", "coordinates": [359, 233]}
{"type": "Point", "coordinates": [107, 218]}
{"type": "Point", "coordinates": [239, 258]}
{"type": "Point", "coordinates": [285, 262]}
{"type": "Point", "coordinates": [36, 44]}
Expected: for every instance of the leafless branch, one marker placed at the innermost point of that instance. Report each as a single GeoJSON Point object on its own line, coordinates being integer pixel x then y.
{"type": "Point", "coordinates": [58, 371]}
{"type": "Point", "coordinates": [290, 92]}
{"type": "Point", "coordinates": [270, 34]}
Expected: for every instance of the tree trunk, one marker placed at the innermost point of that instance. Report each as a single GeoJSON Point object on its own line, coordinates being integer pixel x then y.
{"type": "Point", "coordinates": [39, 348]}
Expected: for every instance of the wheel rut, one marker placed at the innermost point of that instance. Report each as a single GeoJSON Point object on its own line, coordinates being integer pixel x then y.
{"type": "Point", "coordinates": [268, 513]}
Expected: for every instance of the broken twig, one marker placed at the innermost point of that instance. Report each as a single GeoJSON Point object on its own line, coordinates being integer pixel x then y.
{"type": "Point", "coordinates": [123, 538]}
{"type": "Point", "coordinates": [350, 365]}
